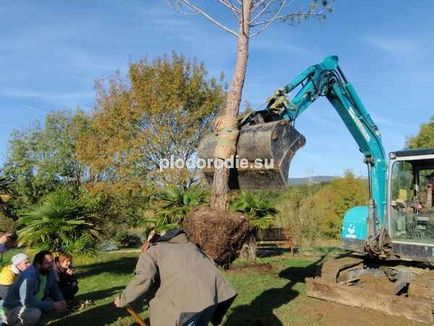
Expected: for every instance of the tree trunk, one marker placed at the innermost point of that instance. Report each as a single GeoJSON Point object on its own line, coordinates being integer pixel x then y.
{"type": "Point", "coordinates": [220, 188]}
{"type": "Point", "coordinates": [248, 250]}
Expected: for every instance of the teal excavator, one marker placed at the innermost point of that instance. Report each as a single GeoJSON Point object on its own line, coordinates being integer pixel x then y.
{"type": "Point", "coordinates": [392, 237]}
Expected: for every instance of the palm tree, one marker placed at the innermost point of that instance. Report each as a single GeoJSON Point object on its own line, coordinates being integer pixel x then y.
{"type": "Point", "coordinates": [61, 222]}
{"type": "Point", "coordinates": [172, 205]}
{"type": "Point", "coordinates": [258, 209]}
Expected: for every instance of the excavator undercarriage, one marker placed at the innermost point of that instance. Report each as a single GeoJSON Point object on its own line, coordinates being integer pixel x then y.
{"type": "Point", "coordinates": [392, 287]}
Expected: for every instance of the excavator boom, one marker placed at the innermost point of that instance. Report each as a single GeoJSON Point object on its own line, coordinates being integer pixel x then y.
{"type": "Point", "coordinates": [381, 240]}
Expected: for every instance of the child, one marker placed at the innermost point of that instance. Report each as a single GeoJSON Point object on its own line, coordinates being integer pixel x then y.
{"type": "Point", "coordinates": [65, 277]}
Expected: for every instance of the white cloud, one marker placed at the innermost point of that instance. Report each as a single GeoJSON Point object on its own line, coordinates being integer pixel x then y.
{"type": "Point", "coordinates": [14, 93]}
{"type": "Point", "coordinates": [394, 45]}
{"type": "Point", "coordinates": [382, 121]}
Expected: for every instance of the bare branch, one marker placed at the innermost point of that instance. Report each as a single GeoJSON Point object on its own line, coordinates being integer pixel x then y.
{"type": "Point", "coordinates": [272, 19]}
{"type": "Point", "coordinates": [291, 18]}
{"type": "Point", "coordinates": [209, 17]}
{"type": "Point", "coordinates": [176, 5]}
{"type": "Point", "coordinates": [261, 12]}
{"type": "Point", "coordinates": [228, 3]}
{"type": "Point", "coordinates": [258, 3]}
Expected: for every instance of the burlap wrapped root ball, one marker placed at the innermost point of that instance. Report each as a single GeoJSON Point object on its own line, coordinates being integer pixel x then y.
{"type": "Point", "coordinates": [219, 233]}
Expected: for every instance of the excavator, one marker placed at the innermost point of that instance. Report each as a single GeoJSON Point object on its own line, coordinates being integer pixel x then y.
{"type": "Point", "coordinates": [389, 242]}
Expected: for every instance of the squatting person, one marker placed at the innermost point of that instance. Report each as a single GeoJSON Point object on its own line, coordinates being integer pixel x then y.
{"type": "Point", "coordinates": [191, 289]}
{"type": "Point", "coordinates": [34, 292]}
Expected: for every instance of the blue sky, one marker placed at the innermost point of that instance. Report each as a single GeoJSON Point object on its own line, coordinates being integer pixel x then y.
{"type": "Point", "coordinates": [51, 51]}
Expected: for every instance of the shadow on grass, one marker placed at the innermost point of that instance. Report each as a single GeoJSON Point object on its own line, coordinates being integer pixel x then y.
{"type": "Point", "coordinates": [101, 294]}
{"type": "Point", "coordinates": [260, 311]}
{"type": "Point", "coordinates": [99, 315]}
{"type": "Point", "coordinates": [271, 251]}
{"type": "Point", "coordinates": [122, 265]}
{"type": "Point", "coordinates": [105, 314]}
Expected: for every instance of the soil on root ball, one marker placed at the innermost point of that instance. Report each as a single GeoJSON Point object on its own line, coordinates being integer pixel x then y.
{"type": "Point", "coordinates": [220, 233]}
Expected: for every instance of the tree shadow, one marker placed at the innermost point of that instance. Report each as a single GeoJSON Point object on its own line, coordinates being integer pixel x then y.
{"type": "Point", "coordinates": [122, 265]}
{"type": "Point", "coordinates": [270, 250]}
{"type": "Point", "coordinates": [260, 311]}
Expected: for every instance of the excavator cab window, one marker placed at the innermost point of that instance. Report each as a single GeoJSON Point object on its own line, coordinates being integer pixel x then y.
{"type": "Point", "coordinates": [411, 201]}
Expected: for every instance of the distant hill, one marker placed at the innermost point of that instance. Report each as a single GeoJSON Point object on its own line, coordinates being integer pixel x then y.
{"type": "Point", "coordinates": [310, 180]}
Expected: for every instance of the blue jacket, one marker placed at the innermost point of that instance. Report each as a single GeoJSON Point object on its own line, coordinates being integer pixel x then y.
{"type": "Point", "coordinates": [23, 291]}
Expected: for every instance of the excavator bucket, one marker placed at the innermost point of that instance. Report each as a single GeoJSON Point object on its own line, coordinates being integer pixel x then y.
{"type": "Point", "coordinates": [264, 153]}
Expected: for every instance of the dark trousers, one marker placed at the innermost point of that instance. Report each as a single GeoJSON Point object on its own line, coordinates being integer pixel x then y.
{"type": "Point", "coordinates": [69, 291]}
{"type": "Point", "coordinates": [202, 318]}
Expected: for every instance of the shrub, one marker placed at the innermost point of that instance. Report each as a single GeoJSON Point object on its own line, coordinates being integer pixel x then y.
{"type": "Point", "coordinates": [172, 204]}
{"type": "Point", "coordinates": [62, 221]}
{"type": "Point", "coordinates": [128, 240]}
{"type": "Point", "coordinates": [257, 207]}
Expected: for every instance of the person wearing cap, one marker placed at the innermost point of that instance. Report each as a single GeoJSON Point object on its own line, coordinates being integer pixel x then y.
{"type": "Point", "coordinates": [8, 275]}
{"type": "Point", "coordinates": [191, 289]}
{"type": "Point", "coordinates": [34, 293]}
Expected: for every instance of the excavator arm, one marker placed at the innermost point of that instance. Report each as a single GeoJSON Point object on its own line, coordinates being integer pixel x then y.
{"type": "Point", "coordinates": [269, 135]}
{"type": "Point", "coordinates": [326, 79]}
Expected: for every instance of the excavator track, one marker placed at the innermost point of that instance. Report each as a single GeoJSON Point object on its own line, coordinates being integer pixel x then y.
{"type": "Point", "coordinates": [393, 289]}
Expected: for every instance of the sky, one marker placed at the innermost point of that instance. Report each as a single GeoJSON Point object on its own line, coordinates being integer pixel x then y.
{"type": "Point", "coordinates": [52, 51]}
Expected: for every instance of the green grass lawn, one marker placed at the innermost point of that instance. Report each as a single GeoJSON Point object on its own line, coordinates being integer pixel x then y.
{"type": "Point", "coordinates": [269, 290]}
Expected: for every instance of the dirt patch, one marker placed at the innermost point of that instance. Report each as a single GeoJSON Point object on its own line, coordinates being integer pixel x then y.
{"type": "Point", "coordinates": [219, 233]}
{"type": "Point", "coordinates": [377, 284]}
{"type": "Point", "coordinates": [259, 268]}
{"type": "Point", "coordinates": [322, 313]}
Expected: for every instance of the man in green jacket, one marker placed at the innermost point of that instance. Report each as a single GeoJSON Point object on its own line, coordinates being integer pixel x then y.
{"type": "Point", "coordinates": [191, 291]}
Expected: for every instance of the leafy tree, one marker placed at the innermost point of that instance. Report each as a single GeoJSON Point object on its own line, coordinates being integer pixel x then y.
{"type": "Point", "coordinates": [61, 222]}
{"type": "Point", "coordinates": [5, 196]}
{"type": "Point", "coordinates": [162, 110]}
{"type": "Point", "coordinates": [121, 204]}
{"type": "Point", "coordinates": [312, 212]}
{"type": "Point", "coordinates": [7, 217]}
{"type": "Point", "coordinates": [332, 202]}
{"type": "Point", "coordinates": [251, 18]}
{"type": "Point", "coordinates": [295, 212]}
{"type": "Point", "coordinates": [41, 158]}
{"type": "Point", "coordinates": [425, 137]}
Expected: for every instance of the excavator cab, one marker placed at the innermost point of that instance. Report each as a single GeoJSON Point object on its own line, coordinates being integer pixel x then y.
{"type": "Point", "coordinates": [265, 148]}
{"type": "Point", "coordinates": [411, 209]}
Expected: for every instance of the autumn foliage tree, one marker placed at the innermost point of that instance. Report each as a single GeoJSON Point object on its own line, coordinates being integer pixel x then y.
{"type": "Point", "coordinates": [317, 211]}
{"type": "Point", "coordinates": [162, 110]}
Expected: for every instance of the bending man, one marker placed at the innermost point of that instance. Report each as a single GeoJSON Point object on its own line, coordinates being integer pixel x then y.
{"type": "Point", "coordinates": [191, 291]}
